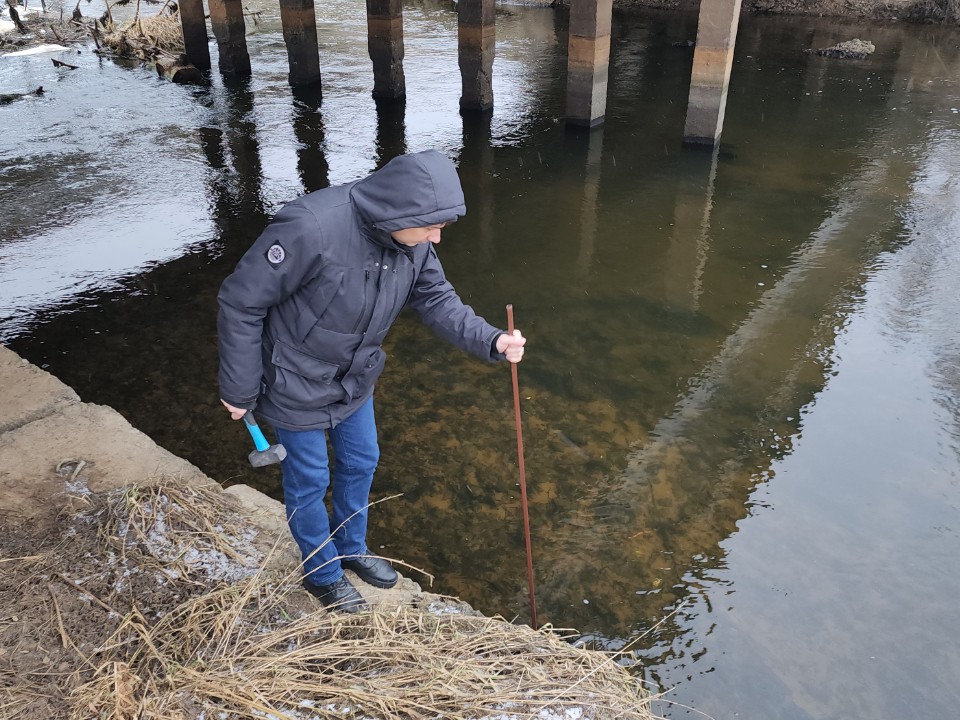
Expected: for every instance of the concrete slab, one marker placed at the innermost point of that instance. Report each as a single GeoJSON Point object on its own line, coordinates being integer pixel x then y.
{"type": "Point", "coordinates": [114, 453]}
{"type": "Point", "coordinates": [29, 393]}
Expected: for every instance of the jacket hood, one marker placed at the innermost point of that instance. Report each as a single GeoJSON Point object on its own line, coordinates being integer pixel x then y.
{"type": "Point", "coordinates": [413, 190]}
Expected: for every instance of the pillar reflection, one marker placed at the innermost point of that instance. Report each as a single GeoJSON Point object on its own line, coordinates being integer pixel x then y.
{"type": "Point", "coordinates": [312, 166]}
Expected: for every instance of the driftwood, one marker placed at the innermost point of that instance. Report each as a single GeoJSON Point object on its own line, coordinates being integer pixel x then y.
{"type": "Point", "coordinates": [15, 16]}
{"type": "Point", "coordinates": [6, 99]}
{"type": "Point", "coordinates": [179, 70]}
{"type": "Point", "coordinates": [38, 28]}
{"type": "Point", "coordinates": [60, 63]}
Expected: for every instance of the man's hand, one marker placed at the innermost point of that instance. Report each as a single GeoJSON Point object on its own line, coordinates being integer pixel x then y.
{"type": "Point", "coordinates": [235, 412]}
{"type": "Point", "coordinates": [512, 346]}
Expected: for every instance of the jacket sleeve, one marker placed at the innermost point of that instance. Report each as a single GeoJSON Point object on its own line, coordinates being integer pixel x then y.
{"type": "Point", "coordinates": [442, 310]}
{"type": "Point", "coordinates": [264, 277]}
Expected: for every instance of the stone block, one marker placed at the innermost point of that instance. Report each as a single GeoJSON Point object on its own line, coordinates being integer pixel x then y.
{"type": "Point", "coordinates": [29, 392]}
{"type": "Point", "coordinates": [114, 454]}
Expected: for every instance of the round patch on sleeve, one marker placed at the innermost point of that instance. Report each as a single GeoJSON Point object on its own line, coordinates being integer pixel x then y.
{"type": "Point", "coordinates": [276, 254]}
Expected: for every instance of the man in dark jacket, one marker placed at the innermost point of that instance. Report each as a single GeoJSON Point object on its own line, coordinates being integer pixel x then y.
{"type": "Point", "coordinates": [301, 325]}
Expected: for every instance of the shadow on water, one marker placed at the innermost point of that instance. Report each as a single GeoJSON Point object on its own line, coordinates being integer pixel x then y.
{"type": "Point", "coordinates": [684, 310]}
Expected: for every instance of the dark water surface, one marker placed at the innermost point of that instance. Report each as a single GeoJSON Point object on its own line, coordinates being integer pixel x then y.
{"type": "Point", "coordinates": [742, 390]}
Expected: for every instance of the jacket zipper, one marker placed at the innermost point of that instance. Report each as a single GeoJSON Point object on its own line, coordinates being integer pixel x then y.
{"type": "Point", "coordinates": [363, 308]}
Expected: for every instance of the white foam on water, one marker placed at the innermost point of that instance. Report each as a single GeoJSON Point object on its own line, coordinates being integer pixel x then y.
{"type": "Point", "coordinates": [38, 50]}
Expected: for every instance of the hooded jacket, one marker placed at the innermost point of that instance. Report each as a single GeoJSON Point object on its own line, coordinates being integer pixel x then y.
{"type": "Point", "coordinates": [303, 317]}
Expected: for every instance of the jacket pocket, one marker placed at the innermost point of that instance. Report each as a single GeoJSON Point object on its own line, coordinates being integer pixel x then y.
{"type": "Point", "coordinates": [341, 303]}
{"type": "Point", "coordinates": [369, 372]}
{"type": "Point", "coordinates": [303, 381]}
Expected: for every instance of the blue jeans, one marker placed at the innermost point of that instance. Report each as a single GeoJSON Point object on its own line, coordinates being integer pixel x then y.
{"type": "Point", "coordinates": [306, 476]}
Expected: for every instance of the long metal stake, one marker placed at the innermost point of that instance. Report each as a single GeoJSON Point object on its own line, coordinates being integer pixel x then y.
{"type": "Point", "coordinates": [523, 478]}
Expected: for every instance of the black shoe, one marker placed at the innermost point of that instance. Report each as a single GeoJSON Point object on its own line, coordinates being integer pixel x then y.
{"type": "Point", "coordinates": [372, 570]}
{"type": "Point", "coordinates": [339, 595]}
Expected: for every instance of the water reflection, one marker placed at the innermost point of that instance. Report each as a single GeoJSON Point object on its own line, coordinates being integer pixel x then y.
{"type": "Point", "coordinates": [589, 207]}
{"type": "Point", "coordinates": [391, 130]}
{"type": "Point", "coordinates": [683, 495]}
{"type": "Point", "coordinates": [312, 164]}
{"type": "Point", "coordinates": [477, 170]}
{"type": "Point", "coordinates": [231, 149]}
{"type": "Point", "coordinates": [690, 239]}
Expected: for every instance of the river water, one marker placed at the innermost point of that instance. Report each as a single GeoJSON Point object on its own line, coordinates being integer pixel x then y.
{"type": "Point", "coordinates": [741, 395]}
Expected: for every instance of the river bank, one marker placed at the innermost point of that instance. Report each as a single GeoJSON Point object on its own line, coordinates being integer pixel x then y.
{"type": "Point", "coordinates": [133, 586]}
{"type": "Point", "coordinates": [33, 28]}
{"type": "Point", "coordinates": [916, 11]}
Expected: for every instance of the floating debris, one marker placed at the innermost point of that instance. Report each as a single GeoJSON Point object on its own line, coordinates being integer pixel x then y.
{"type": "Point", "coordinates": [7, 98]}
{"type": "Point", "coordinates": [855, 49]}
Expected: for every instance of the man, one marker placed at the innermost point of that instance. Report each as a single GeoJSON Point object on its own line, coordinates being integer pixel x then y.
{"type": "Point", "coordinates": [302, 320]}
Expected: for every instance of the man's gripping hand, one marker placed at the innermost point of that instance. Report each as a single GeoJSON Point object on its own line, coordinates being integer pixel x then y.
{"type": "Point", "coordinates": [235, 412]}
{"type": "Point", "coordinates": [512, 346]}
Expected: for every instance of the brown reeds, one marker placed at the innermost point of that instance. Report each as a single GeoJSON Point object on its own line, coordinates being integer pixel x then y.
{"type": "Point", "coordinates": [235, 651]}
{"type": "Point", "coordinates": [145, 38]}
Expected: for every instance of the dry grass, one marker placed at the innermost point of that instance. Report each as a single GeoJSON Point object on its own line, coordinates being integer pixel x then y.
{"type": "Point", "coordinates": [256, 646]}
{"type": "Point", "coordinates": [185, 532]}
{"type": "Point", "coordinates": [234, 652]}
{"type": "Point", "coordinates": [146, 38]}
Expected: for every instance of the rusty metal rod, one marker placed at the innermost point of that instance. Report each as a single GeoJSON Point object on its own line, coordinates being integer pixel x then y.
{"type": "Point", "coordinates": [523, 479]}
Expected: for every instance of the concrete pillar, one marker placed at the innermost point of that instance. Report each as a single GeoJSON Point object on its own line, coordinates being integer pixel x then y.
{"type": "Point", "coordinates": [588, 57]}
{"type": "Point", "coordinates": [385, 43]}
{"type": "Point", "coordinates": [710, 78]}
{"type": "Point", "coordinates": [476, 36]}
{"type": "Point", "coordinates": [300, 35]}
{"type": "Point", "coordinates": [194, 26]}
{"type": "Point", "coordinates": [226, 17]}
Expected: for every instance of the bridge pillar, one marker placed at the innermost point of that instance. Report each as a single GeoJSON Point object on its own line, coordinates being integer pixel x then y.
{"type": "Point", "coordinates": [476, 36]}
{"type": "Point", "coordinates": [299, 22]}
{"type": "Point", "coordinates": [226, 17]}
{"type": "Point", "coordinates": [385, 43]}
{"type": "Point", "coordinates": [588, 57]}
{"type": "Point", "coordinates": [194, 26]}
{"type": "Point", "coordinates": [710, 77]}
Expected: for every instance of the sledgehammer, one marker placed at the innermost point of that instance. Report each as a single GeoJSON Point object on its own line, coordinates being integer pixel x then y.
{"type": "Point", "coordinates": [265, 454]}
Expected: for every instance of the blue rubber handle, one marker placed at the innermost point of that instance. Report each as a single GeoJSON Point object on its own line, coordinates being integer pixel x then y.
{"type": "Point", "coordinates": [258, 439]}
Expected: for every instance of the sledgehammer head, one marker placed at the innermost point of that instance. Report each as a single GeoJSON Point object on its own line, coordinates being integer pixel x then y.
{"type": "Point", "coordinates": [265, 454]}
{"type": "Point", "coordinates": [273, 454]}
